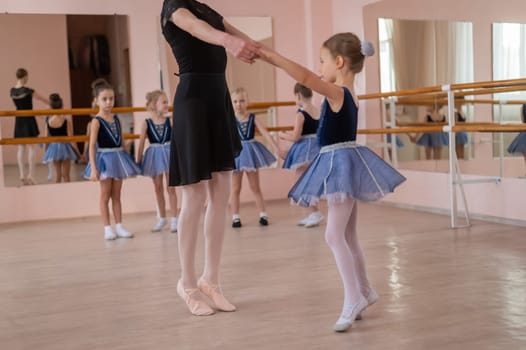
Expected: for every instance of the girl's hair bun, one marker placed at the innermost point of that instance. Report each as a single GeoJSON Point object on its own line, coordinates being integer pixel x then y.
{"type": "Point", "coordinates": [55, 101]}
{"type": "Point", "coordinates": [367, 48]}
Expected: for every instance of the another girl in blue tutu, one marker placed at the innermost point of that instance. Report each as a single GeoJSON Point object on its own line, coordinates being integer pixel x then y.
{"type": "Point", "coordinates": [156, 160]}
{"type": "Point", "coordinates": [518, 145]}
{"type": "Point", "coordinates": [253, 156]}
{"type": "Point", "coordinates": [305, 147]}
{"type": "Point", "coordinates": [108, 162]}
{"type": "Point", "coordinates": [433, 142]}
{"type": "Point", "coordinates": [461, 137]}
{"type": "Point", "coordinates": [59, 154]}
{"type": "Point", "coordinates": [343, 172]}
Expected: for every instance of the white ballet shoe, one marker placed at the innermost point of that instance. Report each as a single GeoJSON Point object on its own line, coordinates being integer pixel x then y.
{"type": "Point", "coordinates": [372, 297]}
{"type": "Point", "coordinates": [349, 314]}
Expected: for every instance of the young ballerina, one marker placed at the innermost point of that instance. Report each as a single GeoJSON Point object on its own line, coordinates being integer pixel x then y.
{"type": "Point", "coordinates": [518, 145]}
{"type": "Point", "coordinates": [305, 147]}
{"type": "Point", "coordinates": [343, 172]}
{"type": "Point", "coordinates": [155, 161]}
{"type": "Point", "coordinates": [22, 97]}
{"type": "Point", "coordinates": [108, 162]}
{"type": "Point", "coordinates": [60, 154]}
{"type": "Point", "coordinates": [252, 157]}
{"type": "Point", "coordinates": [461, 137]}
{"type": "Point", "coordinates": [433, 142]}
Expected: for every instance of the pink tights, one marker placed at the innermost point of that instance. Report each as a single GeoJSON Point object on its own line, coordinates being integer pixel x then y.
{"type": "Point", "coordinates": [342, 238]}
{"type": "Point", "coordinates": [193, 200]}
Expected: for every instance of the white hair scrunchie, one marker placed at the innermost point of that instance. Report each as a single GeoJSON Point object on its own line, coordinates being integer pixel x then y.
{"type": "Point", "coordinates": [367, 48]}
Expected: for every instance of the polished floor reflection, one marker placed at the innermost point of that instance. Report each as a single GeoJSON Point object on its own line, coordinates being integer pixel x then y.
{"type": "Point", "coordinates": [63, 287]}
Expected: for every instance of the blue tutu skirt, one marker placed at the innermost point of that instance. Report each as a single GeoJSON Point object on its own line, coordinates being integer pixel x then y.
{"type": "Point", "coordinates": [253, 156]}
{"type": "Point", "coordinates": [461, 138]}
{"type": "Point", "coordinates": [433, 139]}
{"type": "Point", "coordinates": [518, 145]}
{"type": "Point", "coordinates": [156, 159]}
{"type": "Point", "coordinates": [345, 170]}
{"type": "Point", "coordinates": [302, 152]}
{"type": "Point", "coordinates": [398, 141]}
{"type": "Point", "coordinates": [113, 163]}
{"type": "Point", "coordinates": [59, 151]}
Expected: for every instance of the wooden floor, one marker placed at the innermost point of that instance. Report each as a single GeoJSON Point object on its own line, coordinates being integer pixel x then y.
{"type": "Point", "coordinates": [63, 287]}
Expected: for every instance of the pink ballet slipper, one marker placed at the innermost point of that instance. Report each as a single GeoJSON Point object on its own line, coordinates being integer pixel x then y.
{"type": "Point", "coordinates": [215, 294]}
{"type": "Point", "coordinates": [197, 307]}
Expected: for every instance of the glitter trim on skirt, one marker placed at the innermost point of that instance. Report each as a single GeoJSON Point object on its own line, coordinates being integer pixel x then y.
{"type": "Point", "coordinates": [156, 159]}
{"type": "Point", "coordinates": [253, 156]}
{"type": "Point", "coordinates": [345, 170]}
{"type": "Point", "coordinates": [59, 151]}
{"type": "Point", "coordinates": [433, 139]}
{"type": "Point", "coordinates": [518, 145]}
{"type": "Point", "coordinates": [113, 163]}
{"type": "Point", "coordinates": [302, 152]}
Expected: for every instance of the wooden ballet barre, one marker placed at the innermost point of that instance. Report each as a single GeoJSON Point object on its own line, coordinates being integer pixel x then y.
{"type": "Point", "coordinates": [477, 127]}
{"type": "Point", "coordinates": [51, 139]}
{"type": "Point", "coordinates": [441, 98]}
{"type": "Point", "coordinates": [439, 89]}
{"type": "Point", "coordinates": [117, 110]}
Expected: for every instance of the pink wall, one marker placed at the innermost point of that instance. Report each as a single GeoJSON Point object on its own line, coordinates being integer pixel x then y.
{"type": "Point", "coordinates": [290, 20]}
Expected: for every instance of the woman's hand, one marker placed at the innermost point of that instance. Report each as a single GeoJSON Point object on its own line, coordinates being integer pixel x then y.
{"type": "Point", "coordinates": [243, 49]}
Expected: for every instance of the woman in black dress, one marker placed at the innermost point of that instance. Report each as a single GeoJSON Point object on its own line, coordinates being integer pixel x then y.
{"type": "Point", "coordinates": [205, 140]}
{"type": "Point", "coordinates": [22, 96]}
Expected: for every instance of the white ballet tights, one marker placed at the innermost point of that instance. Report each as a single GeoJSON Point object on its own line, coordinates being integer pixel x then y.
{"type": "Point", "coordinates": [341, 236]}
{"type": "Point", "coordinates": [30, 159]}
{"type": "Point", "coordinates": [193, 201]}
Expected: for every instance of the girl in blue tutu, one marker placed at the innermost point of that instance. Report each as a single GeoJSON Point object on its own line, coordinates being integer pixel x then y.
{"type": "Point", "coordinates": [433, 142]}
{"type": "Point", "coordinates": [305, 147]}
{"type": "Point", "coordinates": [156, 160]}
{"type": "Point", "coordinates": [518, 145]}
{"type": "Point", "coordinates": [253, 156]}
{"type": "Point", "coordinates": [461, 137]}
{"type": "Point", "coordinates": [108, 162]}
{"type": "Point", "coordinates": [343, 172]}
{"type": "Point", "coordinates": [59, 154]}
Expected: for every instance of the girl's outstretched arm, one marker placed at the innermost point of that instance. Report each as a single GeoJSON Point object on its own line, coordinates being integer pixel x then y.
{"type": "Point", "coordinates": [303, 76]}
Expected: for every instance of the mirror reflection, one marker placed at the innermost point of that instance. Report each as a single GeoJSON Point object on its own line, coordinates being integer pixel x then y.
{"type": "Point", "coordinates": [61, 54]}
{"type": "Point", "coordinates": [509, 62]}
{"type": "Point", "coordinates": [420, 53]}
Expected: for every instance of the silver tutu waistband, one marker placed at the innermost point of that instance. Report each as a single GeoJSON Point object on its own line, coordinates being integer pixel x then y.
{"type": "Point", "coordinates": [107, 150]}
{"type": "Point", "coordinates": [160, 144]}
{"type": "Point", "coordinates": [308, 136]}
{"type": "Point", "coordinates": [339, 145]}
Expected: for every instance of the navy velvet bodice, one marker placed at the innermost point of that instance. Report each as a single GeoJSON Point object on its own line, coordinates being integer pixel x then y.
{"type": "Point", "coordinates": [154, 136]}
{"type": "Point", "coordinates": [247, 129]}
{"type": "Point", "coordinates": [310, 125]}
{"type": "Point", "coordinates": [336, 127]}
{"type": "Point", "coordinates": [60, 131]}
{"type": "Point", "coordinates": [108, 138]}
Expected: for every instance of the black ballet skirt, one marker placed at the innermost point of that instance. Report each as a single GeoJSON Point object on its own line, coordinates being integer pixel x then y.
{"type": "Point", "coordinates": [204, 134]}
{"type": "Point", "coordinates": [23, 99]}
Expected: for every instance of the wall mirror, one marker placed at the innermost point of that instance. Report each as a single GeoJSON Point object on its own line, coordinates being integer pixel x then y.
{"type": "Point", "coordinates": [62, 54]}
{"type": "Point", "coordinates": [509, 62]}
{"type": "Point", "coordinates": [419, 53]}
